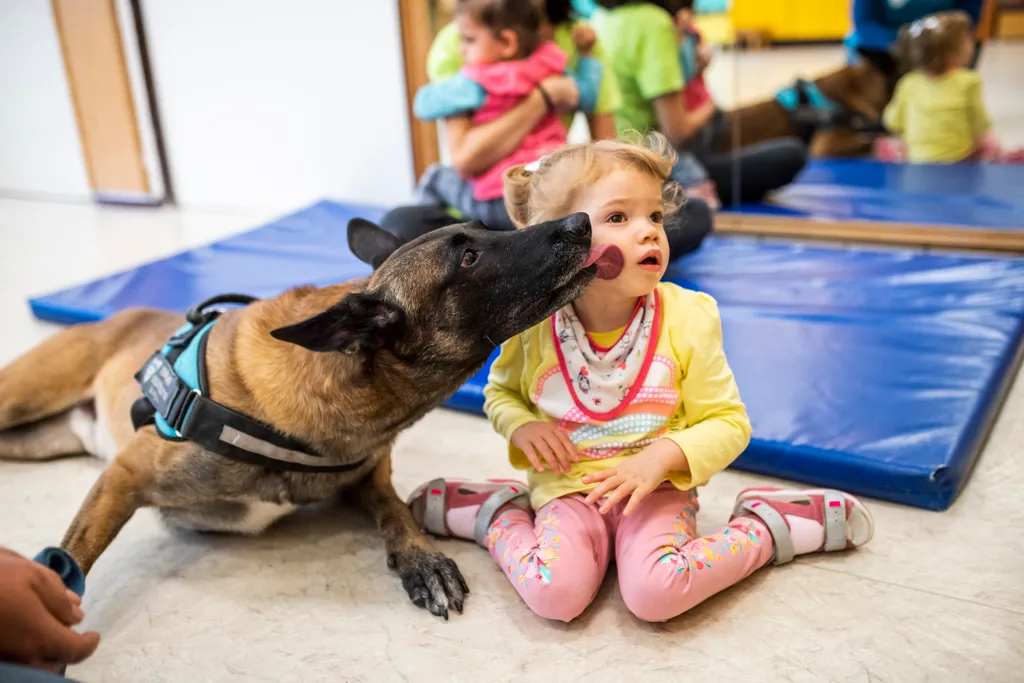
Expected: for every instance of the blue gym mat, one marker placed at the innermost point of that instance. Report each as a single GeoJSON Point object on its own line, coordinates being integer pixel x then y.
{"type": "Point", "coordinates": [879, 371]}
{"type": "Point", "coordinates": [964, 195]}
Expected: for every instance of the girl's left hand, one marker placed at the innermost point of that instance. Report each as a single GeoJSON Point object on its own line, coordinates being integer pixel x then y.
{"type": "Point", "coordinates": [638, 475]}
{"type": "Point", "coordinates": [584, 38]}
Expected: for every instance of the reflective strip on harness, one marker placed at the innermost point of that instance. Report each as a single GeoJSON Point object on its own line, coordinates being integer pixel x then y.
{"type": "Point", "coordinates": [230, 435]}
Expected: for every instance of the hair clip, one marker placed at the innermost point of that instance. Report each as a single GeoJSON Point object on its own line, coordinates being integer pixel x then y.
{"type": "Point", "coordinates": [534, 166]}
{"type": "Point", "coordinates": [929, 23]}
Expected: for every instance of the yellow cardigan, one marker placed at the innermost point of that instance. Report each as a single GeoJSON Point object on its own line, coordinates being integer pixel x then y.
{"type": "Point", "coordinates": [709, 423]}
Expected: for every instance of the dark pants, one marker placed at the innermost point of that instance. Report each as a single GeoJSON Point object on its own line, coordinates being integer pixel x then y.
{"type": "Point", "coordinates": [745, 175]}
{"type": "Point", "coordinates": [686, 230]}
{"type": "Point", "coordinates": [12, 673]}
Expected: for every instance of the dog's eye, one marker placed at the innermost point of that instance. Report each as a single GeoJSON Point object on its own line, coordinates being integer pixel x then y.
{"type": "Point", "coordinates": [469, 258]}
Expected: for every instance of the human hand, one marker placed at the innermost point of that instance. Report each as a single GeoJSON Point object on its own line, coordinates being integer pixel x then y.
{"type": "Point", "coordinates": [563, 93]}
{"type": "Point", "coordinates": [545, 440]}
{"type": "Point", "coordinates": [989, 148]}
{"type": "Point", "coordinates": [703, 57]}
{"type": "Point", "coordinates": [584, 37]}
{"type": "Point", "coordinates": [36, 616]}
{"type": "Point", "coordinates": [638, 475]}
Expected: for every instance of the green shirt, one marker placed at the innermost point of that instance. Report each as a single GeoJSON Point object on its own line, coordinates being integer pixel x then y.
{"type": "Point", "coordinates": [641, 44]}
{"type": "Point", "coordinates": [939, 118]}
{"type": "Point", "coordinates": [444, 61]}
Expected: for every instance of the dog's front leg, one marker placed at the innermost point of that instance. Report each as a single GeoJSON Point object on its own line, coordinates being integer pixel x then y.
{"type": "Point", "coordinates": [432, 580]}
{"type": "Point", "coordinates": [114, 498]}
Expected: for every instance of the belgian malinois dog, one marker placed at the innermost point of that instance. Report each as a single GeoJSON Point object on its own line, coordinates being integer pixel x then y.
{"type": "Point", "coordinates": [343, 368]}
{"type": "Point", "coordinates": [861, 90]}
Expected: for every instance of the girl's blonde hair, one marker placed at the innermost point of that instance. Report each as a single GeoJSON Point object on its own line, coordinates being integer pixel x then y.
{"type": "Point", "coordinates": [551, 189]}
{"type": "Point", "coordinates": [928, 43]}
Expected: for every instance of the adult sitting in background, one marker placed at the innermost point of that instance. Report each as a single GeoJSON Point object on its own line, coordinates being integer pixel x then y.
{"type": "Point", "coordinates": [641, 41]}
{"type": "Point", "coordinates": [506, 58]}
{"type": "Point", "coordinates": [476, 148]}
{"type": "Point", "coordinates": [877, 23]}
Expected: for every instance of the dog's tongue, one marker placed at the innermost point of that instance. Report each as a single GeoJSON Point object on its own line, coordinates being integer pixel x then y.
{"type": "Point", "coordinates": [609, 261]}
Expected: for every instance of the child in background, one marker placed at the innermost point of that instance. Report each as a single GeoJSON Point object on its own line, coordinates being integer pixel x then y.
{"type": "Point", "coordinates": [619, 406]}
{"type": "Point", "coordinates": [504, 61]}
{"type": "Point", "coordinates": [937, 109]}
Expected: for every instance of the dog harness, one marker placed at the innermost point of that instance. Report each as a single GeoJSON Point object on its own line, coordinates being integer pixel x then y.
{"type": "Point", "coordinates": [176, 400]}
{"type": "Point", "coordinates": [810, 109]}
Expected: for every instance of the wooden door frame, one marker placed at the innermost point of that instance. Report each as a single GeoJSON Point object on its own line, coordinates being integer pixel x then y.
{"type": "Point", "coordinates": [415, 20]}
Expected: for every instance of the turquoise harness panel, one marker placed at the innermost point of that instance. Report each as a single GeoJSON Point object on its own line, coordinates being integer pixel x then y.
{"type": "Point", "coordinates": [789, 98]}
{"type": "Point", "coordinates": [187, 368]}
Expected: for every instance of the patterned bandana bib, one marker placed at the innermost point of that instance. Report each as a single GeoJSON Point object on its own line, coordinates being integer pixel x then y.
{"type": "Point", "coordinates": [603, 380]}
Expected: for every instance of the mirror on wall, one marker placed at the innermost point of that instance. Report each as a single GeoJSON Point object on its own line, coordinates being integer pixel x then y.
{"type": "Point", "coordinates": [825, 71]}
{"type": "Point", "coordinates": [777, 92]}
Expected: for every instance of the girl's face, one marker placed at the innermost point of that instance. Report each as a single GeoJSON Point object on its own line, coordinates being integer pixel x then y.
{"type": "Point", "coordinates": [480, 45]}
{"type": "Point", "coordinates": [626, 210]}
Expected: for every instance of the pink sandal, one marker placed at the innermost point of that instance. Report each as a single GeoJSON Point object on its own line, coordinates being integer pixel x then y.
{"type": "Point", "coordinates": [463, 509]}
{"type": "Point", "coordinates": [847, 522]}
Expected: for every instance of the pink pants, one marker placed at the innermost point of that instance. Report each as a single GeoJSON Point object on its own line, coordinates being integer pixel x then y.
{"type": "Point", "coordinates": [558, 560]}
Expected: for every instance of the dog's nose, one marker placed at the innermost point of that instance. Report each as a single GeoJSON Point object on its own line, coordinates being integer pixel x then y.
{"type": "Point", "coordinates": [576, 227]}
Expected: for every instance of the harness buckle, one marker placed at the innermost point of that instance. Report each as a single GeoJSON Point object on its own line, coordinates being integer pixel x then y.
{"type": "Point", "coordinates": [180, 406]}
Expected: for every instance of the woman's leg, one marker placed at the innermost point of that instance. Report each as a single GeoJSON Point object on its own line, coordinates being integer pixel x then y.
{"type": "Point", "coordinates": [664, 570]}
{"type": "Point", "coordinates": [746, 175]}
{"type": "Point", "coordinates": [689, 226]}
{"type": "Point", "coordinates": [442, 185]}
{"type": "Point", "coordinates": [555, 561]}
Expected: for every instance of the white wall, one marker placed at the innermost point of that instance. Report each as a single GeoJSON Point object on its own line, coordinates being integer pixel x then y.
{"type": "Point", "coordinates": [274, 103]}
{"type": "Point", "coordinates": [39, 148]}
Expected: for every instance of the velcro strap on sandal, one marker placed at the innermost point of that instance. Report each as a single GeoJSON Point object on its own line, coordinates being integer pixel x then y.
{"type": "Point", "coordinates": [777, 527]}
{"type": "Point", "coordinates": [491, 506]}
{"type": "Point", "coordinates": [434, 508]}
{"type": "Point", "coordinates": [835, 520]}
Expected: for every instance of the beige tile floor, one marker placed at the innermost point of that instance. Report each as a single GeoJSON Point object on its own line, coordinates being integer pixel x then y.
{"type": "Point", "coordinates": [936, 597]}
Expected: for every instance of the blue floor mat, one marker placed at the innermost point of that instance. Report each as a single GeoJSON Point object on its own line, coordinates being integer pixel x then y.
{"type": "Point", "coordinates": [875, 370]}
{"type": "Point", "coordinates": [964, 195]}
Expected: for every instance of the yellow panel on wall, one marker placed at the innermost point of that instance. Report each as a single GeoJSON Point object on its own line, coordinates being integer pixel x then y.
{"type": "Point", "coordinates": [793, 19]}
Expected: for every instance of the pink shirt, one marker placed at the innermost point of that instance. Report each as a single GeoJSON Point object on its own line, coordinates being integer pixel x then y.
{"type": "Point", "coordinates": [507, 83]}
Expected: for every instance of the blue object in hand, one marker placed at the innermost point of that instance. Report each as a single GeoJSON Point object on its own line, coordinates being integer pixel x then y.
{"type": "Point", "coordinates": [67, 569]}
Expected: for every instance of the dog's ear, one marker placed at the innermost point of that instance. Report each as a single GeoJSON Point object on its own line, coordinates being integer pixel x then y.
{"type": "Point", "coordinates": [359, 322]}
{"type": "Point", "coordinates": [883, 61]}
{"type": "Point", "coordinates": [371, 243]}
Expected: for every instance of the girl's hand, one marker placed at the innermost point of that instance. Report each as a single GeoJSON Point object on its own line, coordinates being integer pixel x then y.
{"type": "Point", "coordinates": [563, 91]}
{"type": "Point", "coordinates": [545, 440]}
{"type": "Point", "coordinates": [584, 37]}
{"type": "Point", "coordinates": [989, 148]}
{"type": "Point", "coordinates": [638, 475]}
{"type": "Point", "coordinates": [703, 57]}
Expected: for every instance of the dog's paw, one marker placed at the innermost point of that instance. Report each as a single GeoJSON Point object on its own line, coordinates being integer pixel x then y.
{"type": "Point", "coordinates": [432, 580]}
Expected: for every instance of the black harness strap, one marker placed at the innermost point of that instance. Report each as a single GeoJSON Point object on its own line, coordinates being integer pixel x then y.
{"type": "Point", "coordinates": [214, 426]}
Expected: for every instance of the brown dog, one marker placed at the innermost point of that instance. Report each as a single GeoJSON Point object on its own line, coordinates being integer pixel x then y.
{"type": "Point", "coordinates": [861, 90]}
{"type": "Point", "coordinates": [344, 369]}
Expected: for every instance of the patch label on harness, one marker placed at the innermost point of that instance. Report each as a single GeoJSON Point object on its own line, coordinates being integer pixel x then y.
{"type": "Point", "coordinates": [159, 383]}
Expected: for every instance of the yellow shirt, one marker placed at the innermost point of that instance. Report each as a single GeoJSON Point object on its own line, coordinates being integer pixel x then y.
{"type": "Point", "coordinates": [704, 415]}
{"type": "Point", "coordinates": [939, 118]}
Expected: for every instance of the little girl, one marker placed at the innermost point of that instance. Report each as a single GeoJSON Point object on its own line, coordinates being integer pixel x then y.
{"type": "Point", "coordinates": [618, 407]}
{"type": "Point", "coordinates": [504, 61]}
{"type": "Point", "coordinates": [937, 109]}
